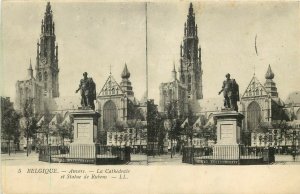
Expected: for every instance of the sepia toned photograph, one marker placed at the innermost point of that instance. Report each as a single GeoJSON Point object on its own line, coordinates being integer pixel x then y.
{"type": "Point", "coordinates": [76, 94]}
{"type": "Point", "coordinates": [224, 79]}
{"type": "Point", "coordinates": [129, 96]}
{"type": "Point", "coordinates": [226, 88]}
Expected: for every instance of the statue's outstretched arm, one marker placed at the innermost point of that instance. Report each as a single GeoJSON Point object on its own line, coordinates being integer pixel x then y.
{"type": "Point", "coordinates": [78, 87]}
{"type": "Point", "coordinates": [223, 86]}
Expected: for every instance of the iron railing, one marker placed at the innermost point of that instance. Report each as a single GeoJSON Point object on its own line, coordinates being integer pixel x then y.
{"type": "Point", "coordinates": [228, 154]}
{"type": "Point", "coordinates": [84, 153]}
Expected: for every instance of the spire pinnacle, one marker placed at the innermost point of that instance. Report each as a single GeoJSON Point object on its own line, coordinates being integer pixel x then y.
{"type": "Point", "coordinates": [191, 9]}
{"type": "Point", "coordinates": [48, 8]}
{"type": "Point", "coordinates": [30, 70]}
{"type": "Point", "coordinates": [174, 73]}
{"type": "Point", "coordinates": [30, 66]}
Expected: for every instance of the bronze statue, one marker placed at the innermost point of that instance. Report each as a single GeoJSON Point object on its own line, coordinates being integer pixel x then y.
{"type": "Point", "coordinates": [230, 91]}
{"type": "Point", "coordinates": [87, 89]}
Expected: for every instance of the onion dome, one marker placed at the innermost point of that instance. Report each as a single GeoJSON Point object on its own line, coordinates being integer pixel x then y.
{"type": "Point", "coordinates": [125, 74]}
{"type": "Point", "coordinates": [269, 74]}
{"type": "Point", "coordinates": [270, 85]}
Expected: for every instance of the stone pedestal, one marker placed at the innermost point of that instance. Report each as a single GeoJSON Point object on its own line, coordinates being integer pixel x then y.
{"type": "Point", "coordinates": [228, 134]}
{"type": "Point", "coordinates": [85, 133]}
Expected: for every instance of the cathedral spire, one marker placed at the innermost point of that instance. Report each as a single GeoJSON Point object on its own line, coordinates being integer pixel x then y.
{"type": "Point", "coordinates": [47, 23]}
{"type": "Point", "coordinates": [191, 28]}
{"type": "Point", "coordinates": [47, 71]}
{"type": "Point", "coordinates": [191, 10]}
{"type": "Point", "coordinates": [190, 70]}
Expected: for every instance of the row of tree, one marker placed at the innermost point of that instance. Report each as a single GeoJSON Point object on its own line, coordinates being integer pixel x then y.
{"type": "Point", "coordinates": [175, 127]}
{"type": "Point", "coordinates": [277, 131]}
{"type": "Point", "coordinates": [13, 122]}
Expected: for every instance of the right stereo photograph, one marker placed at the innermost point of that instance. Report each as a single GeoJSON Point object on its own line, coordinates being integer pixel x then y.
{"type": "Point", "coordinates": [222, 83]}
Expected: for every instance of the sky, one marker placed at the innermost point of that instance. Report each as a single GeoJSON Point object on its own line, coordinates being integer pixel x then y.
{"type": "Point", "coordinates": [92, 36]}
{"type": "Point", "coordinates": [226, 32]}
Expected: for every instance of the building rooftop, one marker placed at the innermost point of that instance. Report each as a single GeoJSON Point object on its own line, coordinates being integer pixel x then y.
{"type": "Point", "coordinates": [293, 98]}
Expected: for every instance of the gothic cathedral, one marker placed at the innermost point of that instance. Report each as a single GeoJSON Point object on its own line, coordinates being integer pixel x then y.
{"type": "Point", "coordinates": [44, 85]}
{"type": "Point", "coordinates": [190, 59]}
{"type": "Point", "coordinates": [187, 89]}
{"type": "Point", "coordinates": [47, 56]}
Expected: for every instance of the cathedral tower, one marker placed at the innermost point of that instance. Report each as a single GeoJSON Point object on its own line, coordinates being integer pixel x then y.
{"type": "Point", "coordinates": [190, 58]}
{"type": "Point", "coordinates": [270, 84]}
{"type": "Point", "coordinates": [126, 84]}
{"type": "Point", "coordinates": [47, 56]}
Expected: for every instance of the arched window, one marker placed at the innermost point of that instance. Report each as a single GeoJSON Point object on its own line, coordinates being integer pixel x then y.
{"type": "Point", "coordinates": [253, 115]}
{"type": "Point", "coordinates": [109, 114]}
{"type": "Point", "coordinates": [257, 92]}
{"type": "Point", "coordinates": [40, 76]}
{"type": "Point", "coordinates": [45, 76]}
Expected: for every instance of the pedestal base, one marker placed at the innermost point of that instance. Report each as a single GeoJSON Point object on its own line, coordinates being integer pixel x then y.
{"type": "Point", "coordinates": [82, 151]}
{"type": "Point", "coordinates": [85, 126]}
{"type": "Point", "coordinates": [229, 127]}
{"type": "Point", "coordinates": [226, 151]}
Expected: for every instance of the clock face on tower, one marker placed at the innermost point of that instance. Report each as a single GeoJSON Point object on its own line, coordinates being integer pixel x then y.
{"type": "Point", "coordinates": [43, 60]}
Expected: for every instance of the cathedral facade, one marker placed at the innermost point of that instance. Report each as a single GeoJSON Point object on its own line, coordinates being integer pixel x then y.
{"type": "Point", "coordinates": [118, 106]}
{"type": "Point", "coordinates": [265, 111]}
{"type": "Point", "coordinates": [260, 102]}
{"type": "Point", "coordinates": [44, 86]}
{"type": "Point", "coordinates": [188, 88]}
